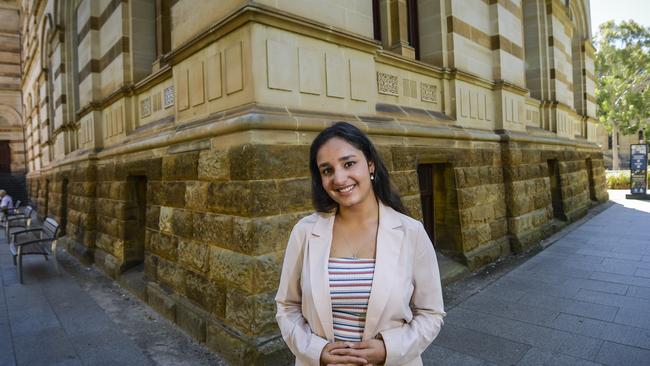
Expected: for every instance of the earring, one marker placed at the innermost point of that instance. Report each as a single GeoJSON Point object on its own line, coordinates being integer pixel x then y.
{"type": "Point", "coordinates": [372, 177]}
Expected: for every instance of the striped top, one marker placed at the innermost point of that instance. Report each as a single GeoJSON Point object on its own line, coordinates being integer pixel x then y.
{"type": "Point", "coordinates": [350, 283]}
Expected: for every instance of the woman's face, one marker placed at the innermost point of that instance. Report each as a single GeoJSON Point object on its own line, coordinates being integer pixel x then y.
{"type": "Point", "coordinates": [345, 172]}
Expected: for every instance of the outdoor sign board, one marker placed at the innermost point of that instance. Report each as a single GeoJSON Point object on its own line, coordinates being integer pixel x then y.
{"type": "Point", "coordinates": [638, 168]}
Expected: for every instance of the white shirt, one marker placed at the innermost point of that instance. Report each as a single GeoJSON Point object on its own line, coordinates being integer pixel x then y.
{"type": "Point", "coordinates": [7, 202]}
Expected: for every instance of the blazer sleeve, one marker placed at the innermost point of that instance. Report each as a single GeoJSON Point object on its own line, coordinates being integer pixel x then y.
{"type": "Point", "coordinates": [408, 341]}
{"type": "Point", "coordinates": [295, 330]}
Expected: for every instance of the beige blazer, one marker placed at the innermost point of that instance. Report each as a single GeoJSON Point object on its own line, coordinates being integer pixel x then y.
{"type": "Point", "coordinates": [405, 303]}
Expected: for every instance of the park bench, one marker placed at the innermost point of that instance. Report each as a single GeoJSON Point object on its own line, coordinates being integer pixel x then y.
{"type": "Point", "coordinates": [35, 241]}
{"type": "Point", "coordinates": [18, 220]}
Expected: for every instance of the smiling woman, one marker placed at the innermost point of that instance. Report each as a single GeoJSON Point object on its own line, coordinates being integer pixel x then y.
{"type": "Point", "coordinates": [360, 281]}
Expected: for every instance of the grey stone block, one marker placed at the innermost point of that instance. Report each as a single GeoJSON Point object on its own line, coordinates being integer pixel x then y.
{"type": "Point", "coordinates": [539, 357]}
{"type": "Point", "coordinates": [641, 292]}
{"type": "Point", "coordinates": [44, 348]}
{"type": "Point", "coordinates": [623, 279]}
{"type": "Point", "coordinates": [618, 333]}
{"type": "Point", "coordinates": [533, 335]}
{"type": "Point", "coordinates": [634, 318]}
{"type": "Point", "coordinates": [499, 307]}
{"type": "Point", "coordinates": [575, 307]}
{"type": "Point", "coordinates": [603, 298]}
{"type": "Point", "coordinates": [602, 286]}
{"type": "Point", "coordinates": [481, 345]}
{"type": "Point", "coordinates": [619, 354]}
{"type": "Point", "coordinates": [441, 356]}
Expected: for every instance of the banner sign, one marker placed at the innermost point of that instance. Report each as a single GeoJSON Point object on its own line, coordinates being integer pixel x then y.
{"type": "Point", "coordinates": [638, 168]}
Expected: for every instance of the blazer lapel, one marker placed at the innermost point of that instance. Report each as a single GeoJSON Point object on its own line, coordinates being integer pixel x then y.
{"type": "Point", "coordinates": [319, 252]}
{"type": "Point", "coordinates": [389, 246]}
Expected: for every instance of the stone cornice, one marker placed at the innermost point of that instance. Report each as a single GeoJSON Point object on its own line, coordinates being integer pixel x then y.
{"type": "Point", "coordinates": [272, 17]}
{"type": "Point", "coordinates": [403, 62]}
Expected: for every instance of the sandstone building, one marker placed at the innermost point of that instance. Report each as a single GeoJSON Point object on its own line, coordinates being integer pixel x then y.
{"type": "Point", "coordinates": [170, 137]}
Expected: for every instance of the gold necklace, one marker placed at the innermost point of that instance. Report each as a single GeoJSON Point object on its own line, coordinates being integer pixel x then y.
{"type": "Point", "coordinates": [345, 239]}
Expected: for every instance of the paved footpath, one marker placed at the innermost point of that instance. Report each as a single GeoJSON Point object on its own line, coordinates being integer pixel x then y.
{"type": "Point", "coordinates": [584, 300]}
{"type": "Point", "coordinates": [82, 318]}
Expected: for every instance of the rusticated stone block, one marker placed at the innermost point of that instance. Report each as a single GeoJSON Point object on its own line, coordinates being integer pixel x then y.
{"type": "Point", "coordinates": [151, 168]}
{"type": "Point", "coordinates": [256, 198]}
{"type": "Point", "coordinates": [413, 205]}
{"type": "Point", "coordinates": [174, 194]}
{"type": "Point", "coordinates": [262, 235]}
{"type": "Point", "coordinates": [253, 162]}
{"type": "Point", "coordinates": [196, 195]}
{"type": "Point", "coordinates": [294, 195]}
{"type": "Point", "coordinates": [164, 245]}
{"type": "Point", "coordinates": [251, 314]}
{"type": "Point", "coordinates": [232, 268]}
{"type": "Point", "coordinates": [213, 229]}
{"type": "Point", "coordinates": [214, 165]}
{"type": "Point", "coordinates": [161, 301]}
{"type": "Point", "coordinates": [180, 166]}
{"type": "Point", "coordinates": [155, 193]}
{"type": "Point", "coordinates": [153, 217]}
{"type": "Point", "coordinates": [193, 255]}
{"type": "Point", "coordinates": [150, 266]}
{"type": "Point", "coordinates": [251, 274]}
{"type": "Point", "coordinates": [182, 223]}
{"type": "Point", "coordinates": [474, 236]}
{"type": "Point", "coordinates": [165, 222]}
{"type": "Point", "coordinates": [191, 320]}
{"type": "Point", "coordinates": [118, 191]}
{"type": "Point", "coordinates": [106, 172]}
{"type": "Point", "coordinates": [171, 275]}
{"type": "Point", "coordinates": [207, 294]}
{"type": "Point", "coordinates": [406, 182]}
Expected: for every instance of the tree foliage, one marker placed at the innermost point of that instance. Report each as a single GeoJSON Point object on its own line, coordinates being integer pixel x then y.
{"type": "Point", "coordinates": [623, 73]}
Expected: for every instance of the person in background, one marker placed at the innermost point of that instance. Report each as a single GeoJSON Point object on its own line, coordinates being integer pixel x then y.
{"type": "Point", "coordinates": [6, 204]}
{"type": "Point", "coordinates": [360, 283]}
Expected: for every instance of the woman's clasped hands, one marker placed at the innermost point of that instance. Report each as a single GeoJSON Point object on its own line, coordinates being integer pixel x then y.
{"type": "Point", "coordinates": [369, 352]}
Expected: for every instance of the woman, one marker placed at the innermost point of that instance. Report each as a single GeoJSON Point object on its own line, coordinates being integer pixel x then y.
{"type": "Point", "coordinates": [360, 282]}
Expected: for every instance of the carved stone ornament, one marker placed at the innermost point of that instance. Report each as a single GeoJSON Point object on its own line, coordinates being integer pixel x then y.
{"type": "Point", "coordinates": [428, 93]}
{"type": "Point", "coordinates": [145, 107]}
{"type": "Point", "coordinates": [387, 84]}
{"type": "Point", "coordinates": [169, 97]}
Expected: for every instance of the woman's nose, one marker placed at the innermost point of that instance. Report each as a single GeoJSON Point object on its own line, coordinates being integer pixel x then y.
{"type": "Point", "coordinates": [339, 177]}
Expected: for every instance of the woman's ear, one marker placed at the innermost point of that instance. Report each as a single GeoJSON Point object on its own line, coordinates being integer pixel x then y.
{"type": "Point", "coordinates": [371, 166]}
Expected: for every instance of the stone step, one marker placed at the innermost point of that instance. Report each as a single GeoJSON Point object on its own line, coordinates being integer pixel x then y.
{"type": "Point", "coordinates": [450, 270]}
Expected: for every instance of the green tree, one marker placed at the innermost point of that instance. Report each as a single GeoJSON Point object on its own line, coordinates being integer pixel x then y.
{"type": "Point", "coordinates": [623, 73]}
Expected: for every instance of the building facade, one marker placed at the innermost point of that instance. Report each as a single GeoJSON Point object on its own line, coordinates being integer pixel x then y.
{"type": "Point", "coordinates": [171, 137]}
{"type": "Point", "coordinates": [12, 142]}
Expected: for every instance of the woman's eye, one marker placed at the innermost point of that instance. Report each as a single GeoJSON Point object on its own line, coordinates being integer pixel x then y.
{"type": "Point", "coordinates": [349, 164]}
{"type": "Point", "coordinates": [326, 171]}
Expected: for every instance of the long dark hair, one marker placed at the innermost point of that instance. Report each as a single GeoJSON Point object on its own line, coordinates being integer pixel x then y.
{"type": "Point", "coordinates": [355, 137]}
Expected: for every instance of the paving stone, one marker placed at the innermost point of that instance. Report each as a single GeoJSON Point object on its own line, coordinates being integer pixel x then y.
{"type": "Point", "coordinates": [44, 348]}
{"type": "Point", "coordinates": [533, 335]}
{"type": "Point", "coordinates": [602, 286]}
{"type": "Point", "coordinates": [108, 347]}
{"type": "Point", "coordinates": [539, 357]}
{"type": "Point", "coordinates": [499, 307]}
{"type": "Point", "coordinates": [481, 345]}
{"type": "Point", "coordinates": [598, 297]}
{"type": "Point", "coordinates": [616, 278]}
{"type": "Point", "coordinates": [618, 333]}
{"type": "Point", "coordinates": [631, 257]}
{"type": "Point", "coordinates": [575, 307]}
{"type": "Point", "coordinates": [642, 292]}
{"type": "Point", "coordinates": [441, 356]}
{"type": "Point", "coordinates": [619, 354]}
{"type": "Point", "coordinates": [633, 317]}
{"type": "Point", "coordinates": [645, 273]}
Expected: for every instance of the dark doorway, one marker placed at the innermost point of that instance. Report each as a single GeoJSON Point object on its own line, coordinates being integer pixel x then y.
{"type": "Point", "coordinates": [590, 177]}
{"type": "Point", "coordinates": [46, 202]}
{"type": "Point", "coordinates": [556, 189]}
{"type": "Point", "coordinates": [439, 206]}
{"type": "Point", "coordinates": [5, 157]}
{"type": "Point", "coordinates": [135, 214]}
{"type": "Point", "coordinates": [64, 205]}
